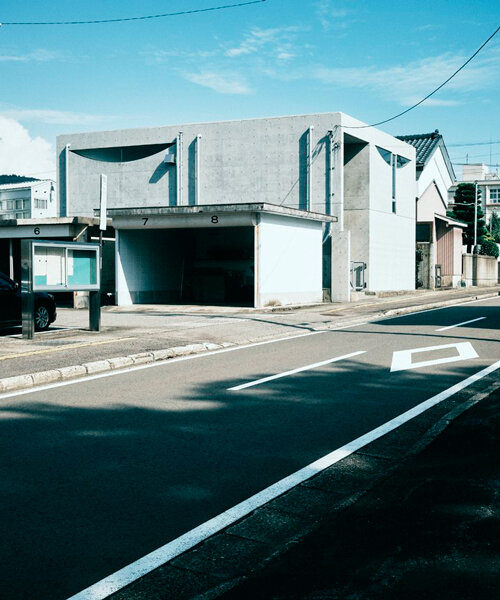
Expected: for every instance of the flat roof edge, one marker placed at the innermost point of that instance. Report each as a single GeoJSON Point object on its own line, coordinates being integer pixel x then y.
{"type": "Point", "coordinates": [51, 221]}
{"type": "Point", "coordinates": [261, 207]}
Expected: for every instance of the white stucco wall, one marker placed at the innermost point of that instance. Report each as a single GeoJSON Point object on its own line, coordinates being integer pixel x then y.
{"type": "Point", "coordinates": [288, 261]}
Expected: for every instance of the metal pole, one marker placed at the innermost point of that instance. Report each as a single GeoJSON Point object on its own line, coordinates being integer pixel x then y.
{"type": "Point", "coordinates": [11, 259]}
{"type": "Point", "coordinates": [475, 218]}
{"type": "Point", "coordinates": [27, 297]}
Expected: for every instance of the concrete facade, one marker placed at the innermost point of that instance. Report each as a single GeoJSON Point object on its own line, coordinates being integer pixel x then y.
{"type": "Point", "coordinates": [329, 164]}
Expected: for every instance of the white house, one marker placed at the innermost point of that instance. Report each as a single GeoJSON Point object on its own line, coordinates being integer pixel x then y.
{"type": "Point", "coordinates": [28, 200]}
{"type": "Point", "coordinates": [438, 236]}
{"type": "Point", "coordinates": [257, 212]}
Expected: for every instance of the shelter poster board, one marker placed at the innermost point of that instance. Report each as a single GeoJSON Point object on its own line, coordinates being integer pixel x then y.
{"type": "Point", "coordinates": [64, 266]}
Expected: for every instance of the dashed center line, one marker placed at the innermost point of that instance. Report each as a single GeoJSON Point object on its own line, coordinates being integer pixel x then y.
{"type": "Point", "coordinates": [293, 371]}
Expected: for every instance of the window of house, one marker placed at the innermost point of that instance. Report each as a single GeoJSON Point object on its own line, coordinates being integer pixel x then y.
{"type": "Point", "coordinates": [424, 232]}
{"type": "Point", "coordinates": [495, 195]}
{"type": "Point", "coordinates": [40, 203]}
{"type": "Point", "coordinates": [395, 162]}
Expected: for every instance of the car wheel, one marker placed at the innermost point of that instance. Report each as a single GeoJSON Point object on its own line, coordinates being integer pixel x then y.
{"type": "Point", "coordinates": [42, 318]}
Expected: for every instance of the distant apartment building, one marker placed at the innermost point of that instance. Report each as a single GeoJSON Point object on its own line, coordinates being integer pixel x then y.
{"type": "Point", "coordinates": [488, 184]}
{"type": "Point", "coordinates": [28, 200]}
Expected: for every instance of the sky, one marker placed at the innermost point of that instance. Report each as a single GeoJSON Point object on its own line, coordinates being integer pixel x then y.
{"type": "Point", "coordinates": [367, 58]}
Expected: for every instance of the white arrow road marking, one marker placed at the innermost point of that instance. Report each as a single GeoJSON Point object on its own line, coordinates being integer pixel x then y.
{"type": "Point", "coordinates": [286, 373]}
{"type": "Point", "coordinates": [460, 324]}
{"type": "Point", "coordinates": [402, 360]}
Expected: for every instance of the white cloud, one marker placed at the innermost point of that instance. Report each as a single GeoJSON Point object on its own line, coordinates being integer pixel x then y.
{"type": "Point", "coordinates": [330, 16]}
{"type": "Point", "coordinates": [57, 117]}
{"type": "Point", "coordinates": [277, 42]}
{"type": "Point", "coordinates": [39, 55]}
{"type": "Point", "coordinates": [409, 83]}
{"type": "Point", "coordinates": [21, 154]}
{"type": "Point", "coordinates": [224, 83]}
{"type": "Point", "coordinates": [157, 55]}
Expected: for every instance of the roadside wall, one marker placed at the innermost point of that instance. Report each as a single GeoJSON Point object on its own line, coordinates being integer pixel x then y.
{"type": "Point", "coordinates": [480, 270]}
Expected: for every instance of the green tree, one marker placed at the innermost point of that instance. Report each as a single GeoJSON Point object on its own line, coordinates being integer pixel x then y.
{"type": "Point", "coordinates": [463, 210]}
{"type": "Point", "coordinates": [15, 179]}
{"type": "Point", "coordinates": [495, 227]}
{"type": "Point", "coordinates": [489, 248]}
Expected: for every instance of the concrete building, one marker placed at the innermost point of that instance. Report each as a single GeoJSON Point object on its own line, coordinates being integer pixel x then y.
{"type": "Point", "coordinates": [28, 200]}
{"type": "Point", "coordinates": [488, 183]}
{"type": "Point", "coordinates": [438, 236]}
{"type": "Point", "coordinates": [258, 212]}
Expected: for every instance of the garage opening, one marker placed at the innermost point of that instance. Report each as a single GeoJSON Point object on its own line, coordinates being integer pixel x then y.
{"type": "Point", "coordinates": [188, 266]}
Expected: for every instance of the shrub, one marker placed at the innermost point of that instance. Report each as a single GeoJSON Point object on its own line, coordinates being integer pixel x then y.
{"type": "Point", "coordinates": [489, 248]}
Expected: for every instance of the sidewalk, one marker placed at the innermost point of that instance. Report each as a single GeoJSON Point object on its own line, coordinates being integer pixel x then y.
{"type": "Point", "coordinates": [141, 334]}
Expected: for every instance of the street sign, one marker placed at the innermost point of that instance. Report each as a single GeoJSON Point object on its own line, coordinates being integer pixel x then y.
{"type": "Point", "coordinates": [59, 267]}
{"type": "Point", "coordinates": [103, 207]}
{"type": "Point", "coordinates": [65, 266]}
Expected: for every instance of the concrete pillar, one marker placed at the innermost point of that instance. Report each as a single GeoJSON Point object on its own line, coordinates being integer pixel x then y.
{"type": "Point", "coordinates": [341, 265]}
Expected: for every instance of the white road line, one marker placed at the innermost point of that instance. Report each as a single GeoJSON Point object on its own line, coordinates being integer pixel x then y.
{"type": "Point", "coordinates": [211, 353]}
{"type": "Point", "coordinates": [157, 558]}
{"type": "Point", "coordinates": [460, 324]}
{"type": "Point", "coordinates": [293, 371]}
{"type": "Point", "coordinates": [162, 363]}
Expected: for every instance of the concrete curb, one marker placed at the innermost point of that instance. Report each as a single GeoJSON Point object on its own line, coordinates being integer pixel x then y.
{"type": "Point", "coordinates": [20, 382]}
{"type": "Point", "coordinates": [440, 304]}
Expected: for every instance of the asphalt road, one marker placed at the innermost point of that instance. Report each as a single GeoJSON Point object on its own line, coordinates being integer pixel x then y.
{"type": "Point", "coordinates": [98, 473]}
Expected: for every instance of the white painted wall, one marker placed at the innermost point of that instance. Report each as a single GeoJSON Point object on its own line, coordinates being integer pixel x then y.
{"type": "Point", "coordinates": [288, 257]}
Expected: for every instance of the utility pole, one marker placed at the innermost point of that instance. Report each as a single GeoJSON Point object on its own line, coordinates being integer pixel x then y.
{"type": "Point", "coordinates": [474, 251]}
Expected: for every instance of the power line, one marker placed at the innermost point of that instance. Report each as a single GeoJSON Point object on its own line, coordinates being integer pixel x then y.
{"type": "Point", "coordinates": [486, 165]}
{"type": "Point", "coordinates": [472, 144]}
{"type": "Point", "coordinates": [173, 14]}
{"type": "Point", "coordinates": [433, 92]}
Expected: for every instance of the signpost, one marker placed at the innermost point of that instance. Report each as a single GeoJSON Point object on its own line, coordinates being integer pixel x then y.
{"type": "Point", "coordinates": [59, 267]}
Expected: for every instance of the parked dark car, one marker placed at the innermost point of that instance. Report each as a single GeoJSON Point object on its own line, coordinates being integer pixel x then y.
{"type": "Point", "coordinates": [10, 305]}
